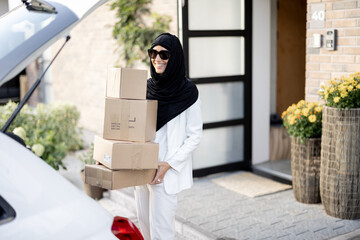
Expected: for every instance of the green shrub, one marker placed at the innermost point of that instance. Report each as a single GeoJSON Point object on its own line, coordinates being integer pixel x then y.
{"type": "Point", "coordinates": [87, 156]}
{"type": "Point", "coordinates": [50, 130]}
{"type": "Point", "coordinates": [136, 28]}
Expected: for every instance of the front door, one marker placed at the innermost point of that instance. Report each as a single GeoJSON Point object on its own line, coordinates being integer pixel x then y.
{"type": "Point", "coordinates": [217, 44]}
{"type": "Point", "coordinates": [291, 51]}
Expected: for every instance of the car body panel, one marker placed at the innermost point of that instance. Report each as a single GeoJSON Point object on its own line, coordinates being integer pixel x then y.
{"type": "Point", "coordinates": [13, 59]}
{"type": "Point", "coordinates": [47, 205]}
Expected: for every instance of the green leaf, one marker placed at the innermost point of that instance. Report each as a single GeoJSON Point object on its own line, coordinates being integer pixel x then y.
{"type": "Point", "coordinates": [134, 31]}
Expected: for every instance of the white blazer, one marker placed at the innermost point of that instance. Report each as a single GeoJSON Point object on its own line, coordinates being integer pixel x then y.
{"type": "Point", "coordinates": [184, 133]}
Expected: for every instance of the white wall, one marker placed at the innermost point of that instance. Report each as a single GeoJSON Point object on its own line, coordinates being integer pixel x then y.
{"type": "Point", "coordinates": [261, 80]}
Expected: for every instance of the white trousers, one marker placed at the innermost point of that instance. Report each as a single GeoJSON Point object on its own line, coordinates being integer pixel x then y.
{"type": "Point", "coordinates": [156, 212]}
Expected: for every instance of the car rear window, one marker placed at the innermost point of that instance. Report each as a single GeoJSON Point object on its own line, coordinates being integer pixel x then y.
{"type": "Point", "coordinates": [19, 26]}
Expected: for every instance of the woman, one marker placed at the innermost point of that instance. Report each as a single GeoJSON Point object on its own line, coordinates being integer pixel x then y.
{"type": "Point", "coordinates": [179, 130]}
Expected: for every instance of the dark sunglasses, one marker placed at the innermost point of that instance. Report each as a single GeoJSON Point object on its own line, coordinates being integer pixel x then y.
{"type": "Point", "coordinates": [164, 55]}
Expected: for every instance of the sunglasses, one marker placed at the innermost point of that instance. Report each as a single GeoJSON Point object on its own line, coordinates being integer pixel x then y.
{"type": "Point", "coordinates": [164, 55]}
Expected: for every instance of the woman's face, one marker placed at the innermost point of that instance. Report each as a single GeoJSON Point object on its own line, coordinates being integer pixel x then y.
{"type": "Point", "coordinates": [159, 63]}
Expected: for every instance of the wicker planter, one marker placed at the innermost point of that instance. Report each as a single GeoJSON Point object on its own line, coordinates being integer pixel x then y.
{"type": "Point", "coordinates": [92, 191]}
{"type": "Point", "coordinates": [305, 169]}
{"type": "Point", "coordinates": [340, 163]}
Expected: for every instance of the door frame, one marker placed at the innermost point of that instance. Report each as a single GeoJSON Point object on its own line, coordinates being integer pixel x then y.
{"type": "Point", "coordinates": [246, 121]}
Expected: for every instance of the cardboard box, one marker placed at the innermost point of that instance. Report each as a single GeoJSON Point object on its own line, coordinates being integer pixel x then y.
{"type": "Point", "coordinates": [130, 120]}
{"type": "Point", "coordinates": [126, 83]}
{"type": "Point", "coordinates": [126, 155]}
{"type": "Point", "coordinates": [101, 176]}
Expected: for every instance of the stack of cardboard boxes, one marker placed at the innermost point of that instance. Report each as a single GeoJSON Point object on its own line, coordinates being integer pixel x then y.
{"type": "Point", "coordinates": [125, 151]}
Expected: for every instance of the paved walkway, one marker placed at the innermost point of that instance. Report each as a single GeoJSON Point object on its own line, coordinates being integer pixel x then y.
{"type": "Point", "coordinates": [209, 211]}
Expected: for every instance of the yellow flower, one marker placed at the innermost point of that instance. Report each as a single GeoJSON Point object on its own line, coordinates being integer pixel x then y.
{"type": "Point", "coordinates": [326, 90]}
{"type": "Point", "coordinates": [289, 118]}
{"type": "Point", "coordinates": [312, 118]}
{"type": "Point", "coordinates": [297, 112]}
{"type": "Point", "coordinates": [332, 89]}
{"type": "Point", "coordinates": [349, 88]}
{"type": "Point", "coordinates": [326, 96]}
{"type": "Point", "coordinates": [318, 109]}
{"type": "Point", "coordinates": [336, 99]}
{"type": "Point", "coordinates": [305, 112]}
{"type": "Point", "coordinates": [343, 94]}
{"type": "Point", "coordinates": [348, 79]}
{"type": "Point", "coordinates": [283, 114]}
{"type": "Point", "coordinates": [355, 74]}
{"type": "Point", "coordinates": [301, 103]}
{"type": "Point", "coordinates": [293, 121]}
{"type": "Point", "coordinates": [310, 105]}
{"type": "Point", "coordinates": [358, 86]}
{"type": "Point", "coordinates": [342, 87]}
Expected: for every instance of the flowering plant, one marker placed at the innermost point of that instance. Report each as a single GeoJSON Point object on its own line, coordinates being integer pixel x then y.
{"type": "Point", "coordinates": [342, 93]}
{"type": "Point", "coordinates": [303, 120]}
{"type": "Point", "coordinates": [49, 130]}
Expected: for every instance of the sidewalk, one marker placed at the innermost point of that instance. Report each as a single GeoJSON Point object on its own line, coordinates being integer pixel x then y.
{"type": "Point", "coordinates": [209, 211]}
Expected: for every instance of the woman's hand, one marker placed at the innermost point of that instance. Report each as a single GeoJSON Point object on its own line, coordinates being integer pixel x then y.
{"type": "Point", "coordinates": [163, 167]}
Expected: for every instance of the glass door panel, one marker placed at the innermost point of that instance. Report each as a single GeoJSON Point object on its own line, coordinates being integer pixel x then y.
{"type": "Point", "coordinates": [222, 101]}
{"type": "Point", "coordinates": [216, 56]}
{"type": "Point", "coordinates": [220, 146]}
{"type": "Point", "coordinates": [216, 14]}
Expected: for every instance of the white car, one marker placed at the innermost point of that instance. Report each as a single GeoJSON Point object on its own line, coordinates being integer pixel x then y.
{"type": "Point", "coordinates": [36, 202]}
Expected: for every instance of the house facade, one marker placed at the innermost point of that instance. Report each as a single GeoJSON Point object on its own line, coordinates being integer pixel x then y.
{"type": "Point", "coordinates": [250, 59]}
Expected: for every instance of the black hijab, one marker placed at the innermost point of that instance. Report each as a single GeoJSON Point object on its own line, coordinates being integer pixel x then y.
{"type": "Point", "coordinates": [174, 92]}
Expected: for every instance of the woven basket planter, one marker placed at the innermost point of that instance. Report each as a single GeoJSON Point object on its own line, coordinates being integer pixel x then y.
{"type": "Point", "coordinates": [92, 191]}
{"type": "Point", "coordinates": [340, 163]}
{"type": "Point", "coordinates": [305, 169]}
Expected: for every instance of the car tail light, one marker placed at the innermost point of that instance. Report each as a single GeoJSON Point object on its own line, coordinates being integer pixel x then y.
{"type": "Point", "coordinates": [124, 229]}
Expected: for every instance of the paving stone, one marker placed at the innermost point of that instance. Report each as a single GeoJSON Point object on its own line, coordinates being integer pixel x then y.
{"type": "Point", "coordinates": [208, 211]}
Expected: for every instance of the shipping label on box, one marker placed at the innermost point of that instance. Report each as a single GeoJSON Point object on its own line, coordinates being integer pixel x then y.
{"type": "Point", "coordinates": [101, 176]}
{"type": "Point", "coordinates": [126, 155]}
{"type": "Point", "coordinates": [126, 83]}
{"type": "Point", "coordinates": [130, 120]}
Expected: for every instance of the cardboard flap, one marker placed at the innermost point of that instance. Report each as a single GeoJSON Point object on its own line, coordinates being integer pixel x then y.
{"type": "Point", "coordinates": [113, 82]}
{"type": "Point", "coordinates": [103, 151]}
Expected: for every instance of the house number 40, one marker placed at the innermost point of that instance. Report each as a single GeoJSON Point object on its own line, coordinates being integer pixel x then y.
{"type": "Point", "coordinates": [318, 15]}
